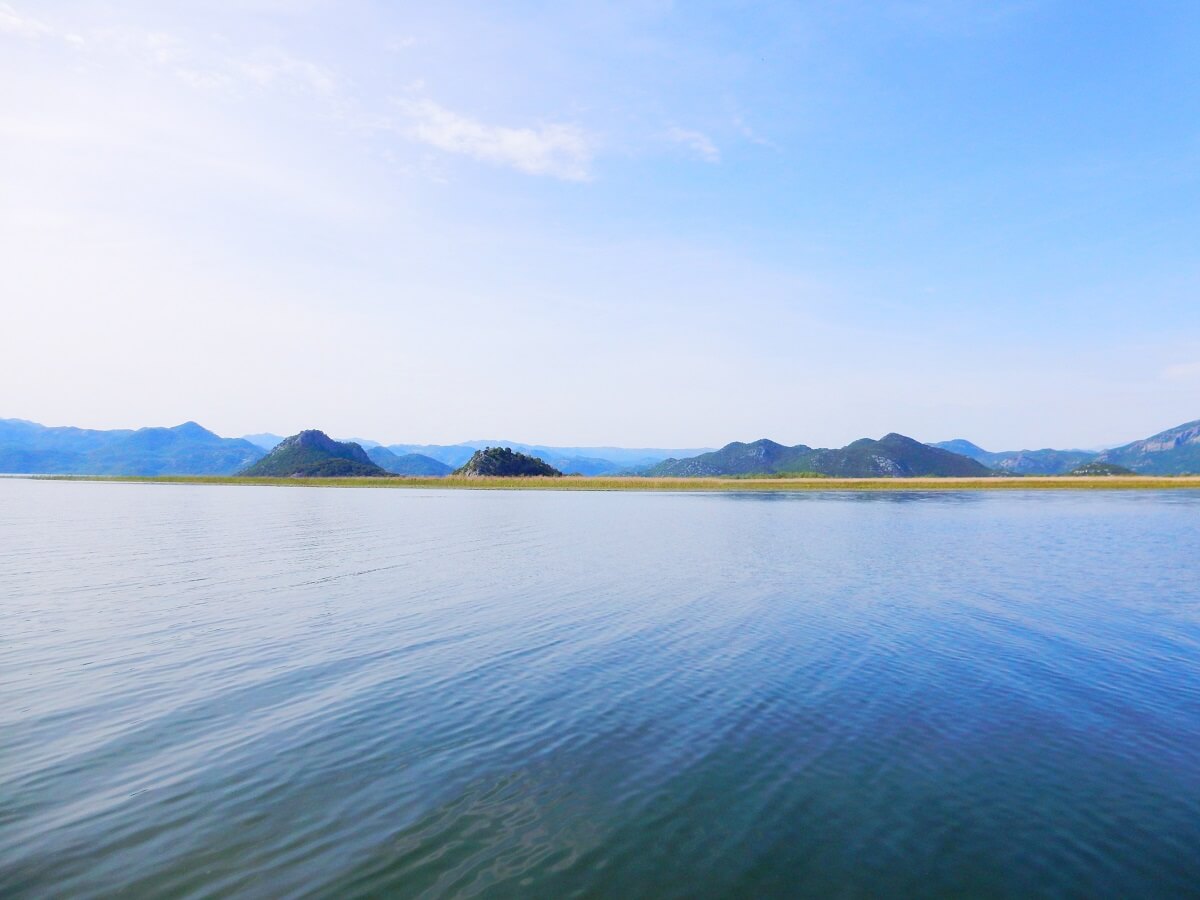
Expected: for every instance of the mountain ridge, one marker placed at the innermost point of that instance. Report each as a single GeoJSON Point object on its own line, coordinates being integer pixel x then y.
{"type": "Point", "coordinates": [1046, 461]}
{"type": "Point", "coordinates": [892, 456]}
{"type": "Point", "coordinates": [185, 449]}
{"type": "Point", "coordinates": [27, 447]}
{"type": "Point", "coordinates": [1174, 451]}
{"type": "Point", "coordinates": [407, 463]}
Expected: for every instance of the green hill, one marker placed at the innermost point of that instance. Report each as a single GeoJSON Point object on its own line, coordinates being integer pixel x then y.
{"type": "Point", "coordinates": [503, 462]}
{"type": "Point", "coordinates": [892, 456]}
{"type": "Point", "coordinates": [313, 454]}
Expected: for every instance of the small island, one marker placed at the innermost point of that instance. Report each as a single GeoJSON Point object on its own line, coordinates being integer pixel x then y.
{"type": "Point", "coordinates": [503, 462]}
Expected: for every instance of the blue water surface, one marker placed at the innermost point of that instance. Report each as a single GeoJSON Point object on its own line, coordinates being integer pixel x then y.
{"type": "Point", "coordinates": [263, 692]}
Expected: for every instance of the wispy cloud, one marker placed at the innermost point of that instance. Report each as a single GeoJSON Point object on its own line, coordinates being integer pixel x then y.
{"type": "Point", "coordinates": [197, 66]}
{"type": "Point", "coordinates": [12, 22]}
{"type": "Point", "coordinates": [271, 68]}
{"type": "Point", "coordinates": [751, 135]}
{"type": "Point", "coordinates": [696, 141]}
{"type": "Point", "coordinates": [558, 150]}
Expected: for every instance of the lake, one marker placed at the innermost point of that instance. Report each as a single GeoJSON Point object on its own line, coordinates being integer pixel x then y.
{"type": "Point", "coordinates": [266, 691]}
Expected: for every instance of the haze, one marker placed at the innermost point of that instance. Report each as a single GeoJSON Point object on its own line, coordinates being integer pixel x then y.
{"type": "Point", "coordinates": [633, 223]}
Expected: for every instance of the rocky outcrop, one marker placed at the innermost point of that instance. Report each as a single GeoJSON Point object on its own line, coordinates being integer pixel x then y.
{"type": "Point", "coordinates": [503, 462]}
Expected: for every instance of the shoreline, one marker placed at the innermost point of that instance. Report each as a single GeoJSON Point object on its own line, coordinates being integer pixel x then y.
{"type": "Point", "coordinates": [710, 485]}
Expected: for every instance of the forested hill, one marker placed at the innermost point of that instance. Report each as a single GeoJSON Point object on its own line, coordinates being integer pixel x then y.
{"type": "Point", "coordinates": [892, 456]}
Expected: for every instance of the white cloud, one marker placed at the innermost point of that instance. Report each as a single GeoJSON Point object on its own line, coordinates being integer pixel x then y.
{"type": "Point", "coordinates": [751, 135]}
{"type": "Point", "coordinates": [560, 151]}
{"type": "Point", "coordinates": [12, 22]}
{"type": "Point", "coordinates": [697, 141]}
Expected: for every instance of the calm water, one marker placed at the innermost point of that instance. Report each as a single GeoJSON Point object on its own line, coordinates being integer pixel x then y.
{"type": "Point", "coordinates": [263, 692]}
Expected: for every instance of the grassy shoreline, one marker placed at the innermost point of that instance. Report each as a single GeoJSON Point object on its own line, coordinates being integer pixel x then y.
{"type": "Point", "coordinates": [602, 483]}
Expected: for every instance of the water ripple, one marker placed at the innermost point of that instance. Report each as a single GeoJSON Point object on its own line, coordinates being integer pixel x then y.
{"type": "Point", "coordinates": [212, 692]}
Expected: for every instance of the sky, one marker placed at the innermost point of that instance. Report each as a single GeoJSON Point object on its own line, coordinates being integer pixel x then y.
{"type": "Point", "coordinates": [631, 223]}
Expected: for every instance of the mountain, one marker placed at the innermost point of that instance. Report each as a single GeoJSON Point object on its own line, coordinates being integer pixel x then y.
{"type": "Point", "coordinates": [581, 460]}
{"type": "Point", "coordinates": [892, 456]}
{"type": "Point", "coordinates": [1020, 462]}
{"type": "Point", "coordinates": [1175, 451]}
{"type": "Point", "coordinates": [503, 462]}
{"type": "Point", "coordinates": [407, 463]}
{"type": "Point", "coordinates": [30, 448]}
{"type": "Point", "coordinates": [313, 454]}
{"type": "Point", "coordinates": [186, 449]}
{"type": "Point", "coordinates": [593, 460]}
{"type": "Point", "coordinates": [266, 440]}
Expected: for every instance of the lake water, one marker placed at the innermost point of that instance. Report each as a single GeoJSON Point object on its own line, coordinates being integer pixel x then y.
{"type": "Point", "coordinates": [264, 692]}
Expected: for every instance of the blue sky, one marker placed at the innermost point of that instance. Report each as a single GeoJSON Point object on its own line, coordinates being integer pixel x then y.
{"type": "Point", "coordinates": [638, 223]}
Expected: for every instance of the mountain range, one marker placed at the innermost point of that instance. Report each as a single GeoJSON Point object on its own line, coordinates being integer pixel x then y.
{"type": "Point", "coordinates": [892, 456]}
{"type": "Point", "coordinates": [407, 463]}
{"type": "Point", "coordinates": [1021, 462]}
{"type": "Point", "coordinates": [189, 449]}
{"type": "Point", "coordinates": [186, 449]}
{"type": "Point", "coordinates": [574, 460]}
{"type": "Point", "coordinates": [1175, 451]}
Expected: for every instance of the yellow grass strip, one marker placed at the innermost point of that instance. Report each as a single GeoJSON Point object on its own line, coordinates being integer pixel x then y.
{"type": "Point", "coordinates": [742, 485]}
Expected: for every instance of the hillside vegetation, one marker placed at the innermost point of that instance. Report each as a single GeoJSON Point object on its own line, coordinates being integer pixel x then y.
{"type": "Point", "coordinates": [313, 454]}
{"type": "Point", "coordinates": [892, 456]}
{"type": "Point", "coordinates": [503, 462]}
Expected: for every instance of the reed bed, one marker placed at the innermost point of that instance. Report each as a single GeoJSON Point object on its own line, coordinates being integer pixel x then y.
{"type": "Point", "coordinates": [743, 485]}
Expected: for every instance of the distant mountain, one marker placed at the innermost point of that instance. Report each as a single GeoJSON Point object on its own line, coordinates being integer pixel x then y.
{"type": "Point", "coordinates": [1175, 451]}
{"type": "Point", "coordinates": [892, 456]}
{"type": "Point", "coordinates": [1020, 462]}
{"type": "Point", "coordinates": [266, 440]}
{"type": "Point", "coordinates": [580, 460]}
{"type": "Point", "coordinates": [313, 454]}
{"type": "Point", "coordinates": [453, 455]}
{"type": "Point", "coordinates": [596, 460]}
{"type": "Point", "coordinates": [28, 447]}
{"type": "Point", "coordinates": [504, 462]}
{"type": "Point", "coordinates": [407, 463]}
{"type": "Point", "coordinates": [186, 449]}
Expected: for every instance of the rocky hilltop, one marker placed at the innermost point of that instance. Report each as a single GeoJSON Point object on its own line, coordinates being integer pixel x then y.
{"type": "Point", "coordinates": [314, 454]}
{"type": "Point", "coordinates": [1175, 451]}
{"type": "Point", "coordinates": [503, 462]}
{"type": "Point", "coordinates": [892, 456]}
